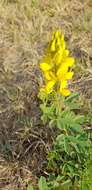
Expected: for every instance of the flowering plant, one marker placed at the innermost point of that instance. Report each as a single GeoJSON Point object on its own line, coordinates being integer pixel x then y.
{"type": "Point", "coordinates": [71, 145]}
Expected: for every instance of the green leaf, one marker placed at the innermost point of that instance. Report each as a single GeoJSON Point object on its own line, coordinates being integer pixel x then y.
{"type": "Point", "coordinates": [66, 146]}
{"type": "Point", "coordinates": [60, 123]}
{"type": "Point", "coordinates": [42, 184]}
{"type": "Point", "coordinates": [79, 119]}
{"type": "Point", "coordinates": [77, 127]}
{"type": "Point", "coordinates": [72, 96]}
{"type": "Point", "coordinates": [60, 139]}
{"type": "Point", "coordinates": [52, 123]}
{"type": "Point", "coordinates": [30, 187]}
{"type": "Point", "coordinates": [71, 169]}
{"type": "Point", "coordinates": [66, 184]}
{"type": "Point", "coordinates": [60, 178]}
{"type": "Point", "coordinates": [85, 187]}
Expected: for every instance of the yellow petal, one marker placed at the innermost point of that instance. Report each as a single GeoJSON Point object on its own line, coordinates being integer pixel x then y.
{"type": "Point", "coordinates": [65, 53]}
{"type": "Point", "coordinates": [63, 45]}
{"type": "Point", "coordinates": [53, 48]}
{"type": "Point", "coordinates": [45, 66]}
{"type": "Point", "coordinates": [62, 37]}
{"type": "Point", "coordinates": [49, 75]}
{"type": "Point", "coordinates": [57, 34]}
{"type": "Point", "coordinates": [69, 75]}
{"type": "Point", "coordinates": [63, 85]}
{"type": "Point", "coordinates": [63, 42]}
{"type": "Point", "coordinates": [49, 86]}
{"type": "Point", "coordinates": [58, 56]}
{"type": "Point", "coordinates": [65, 92]}
{"type": "Point", "coordinates": [58, 42]}
{"type": "Point", "coordinates": [62, 71]}
{"type": "Point", "coordinates": [69, 61]}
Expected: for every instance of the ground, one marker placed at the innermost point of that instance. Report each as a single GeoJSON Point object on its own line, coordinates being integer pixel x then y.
{"type": "Point", "coordinates": [25, 29]}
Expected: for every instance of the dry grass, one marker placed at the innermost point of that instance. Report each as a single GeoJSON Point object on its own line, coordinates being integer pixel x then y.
{"type": "Point", "coordinates": [25, 28]}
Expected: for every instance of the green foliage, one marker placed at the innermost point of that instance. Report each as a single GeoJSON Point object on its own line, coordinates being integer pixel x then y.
{"type": "Point", "coordinates": [86, 181]}
{"type": "Point", "coordinates": [71, 147]}
{"type": "Point", "coordinates": [41, 184]}
{"type": "Point", "coordinates": [30, 187]}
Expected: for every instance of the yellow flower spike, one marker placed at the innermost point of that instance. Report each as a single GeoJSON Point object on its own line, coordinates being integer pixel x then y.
{"type": "Point", "coordinates": [65, 92]}
{"type": "Point", "coordinates": [69, 75]}
{"type": "Point", "coordinates": [49, 86]}
{"type": "Point", "coordinates": [56, 65]}
{"type": "Point", "coordinates": [45, 66]}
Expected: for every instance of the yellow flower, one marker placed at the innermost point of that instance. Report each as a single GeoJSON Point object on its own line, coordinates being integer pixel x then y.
{"type": "Point", "coordinates": [63, 88]}
{"type": "Point", "coordinates": [53, 48]}
{"type": "Point", "coordinates": [69, 61]}
{"type": "Point", "coordinates": [65, 53]}
{"type": "Point", "coordinates": [65, 92]}
{"type": "Point", "coordinates": [45, 66]}
{"type": "Point", "coordinates": [62, 42]}
{"type": "Point", "coordinates": [59, 56]}
{"type": "Point", "coordinates": [63, 84]}
{"type": "Point", "coordinates": [49, 75]}
{"type": "Point", "coordinates": [49, 86]}
{"type": "Point", "coordinates": [61, 72]}
{"type": "Point", "coordinates": [69, 75]}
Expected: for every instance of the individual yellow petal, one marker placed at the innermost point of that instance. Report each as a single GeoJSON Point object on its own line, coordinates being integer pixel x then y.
{"type": "Point", "coordinates": [63, 45]}
{"type": "Point", "coordinates": [63, 85]}
{"type": "Point", "coordinates": [53, 47]}
{"type": "Point", "coordinates": [45, 66]}
{"type": "Point", "coordinates": [63, 42]}
{"type": "Point", "coordinates": [69, 75]}
{"type": "Point", "coordinates": [62, 37]}
{"type": "Point", "coordinates": [58, 42]}
{"type": "Point", "coordinates": [58, 56]}
{"type": "Point", "coordinates": [49, 75]}
{"type": "Point", "coordinates": [65, 92]}
{"type": "Point", "coordinates": [57, 34]}
{"type": "Point", "coordinates": [62, 71]}
{"type": "Point", "coordinates": [65, 53]}
{"type": "Point", "coordinates": [69, 61]}
{"type": "Point", "coordinates": [49, 86]}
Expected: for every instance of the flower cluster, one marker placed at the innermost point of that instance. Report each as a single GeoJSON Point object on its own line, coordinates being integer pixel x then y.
{"type": "Point", "coordinates": [57, 66]}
